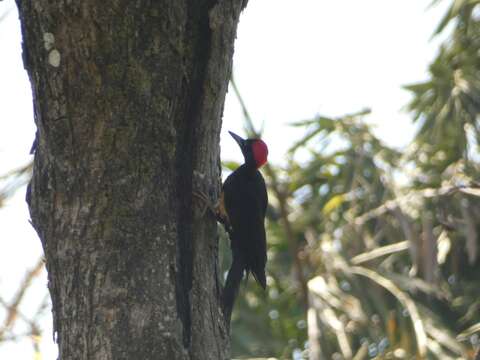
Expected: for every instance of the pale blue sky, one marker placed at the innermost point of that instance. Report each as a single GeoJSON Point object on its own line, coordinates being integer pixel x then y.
{"type": "Point", "coordinates": [293, 60]}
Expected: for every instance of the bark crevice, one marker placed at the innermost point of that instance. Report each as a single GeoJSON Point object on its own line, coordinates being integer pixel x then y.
{"type": "Point", "coordinates": [198, 36]}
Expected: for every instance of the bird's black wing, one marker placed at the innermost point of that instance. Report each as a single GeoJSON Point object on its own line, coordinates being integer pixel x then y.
{"type": "Point", "coordinates": [262, 191]}
{"type": "Point", "coordinates": [245, 198]}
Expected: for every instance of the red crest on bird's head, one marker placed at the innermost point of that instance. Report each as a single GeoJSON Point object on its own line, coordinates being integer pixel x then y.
{"type": "Point", "coordinates": [255, 151]}
{"type": "Point", "coordinates": [260, 152]}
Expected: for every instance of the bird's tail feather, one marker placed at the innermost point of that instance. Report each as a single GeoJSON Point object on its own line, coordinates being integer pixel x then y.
{"type": "Point", "coordinates": [260, 277]}
{"type": "Point", "coordinates": [230, 291]}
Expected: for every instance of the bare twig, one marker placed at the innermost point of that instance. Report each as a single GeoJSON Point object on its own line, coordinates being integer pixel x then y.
{"type": "Point", "coordinates": [12, 180]}
{"type": "Point", "coordinates": [381, 251]}
{"type": "Point", "coordinates": [12, 308]}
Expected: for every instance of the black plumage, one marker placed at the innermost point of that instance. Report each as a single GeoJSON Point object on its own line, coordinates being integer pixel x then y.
{"type": "Point", "coordinates": [244, 204]}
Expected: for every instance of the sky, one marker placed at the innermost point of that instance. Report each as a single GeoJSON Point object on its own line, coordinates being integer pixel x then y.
{"type": "Point", "coordinates": [293, 60]}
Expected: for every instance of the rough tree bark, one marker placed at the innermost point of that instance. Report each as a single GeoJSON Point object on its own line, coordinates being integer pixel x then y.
{"type": "Point", "coordinates": [128, 97]}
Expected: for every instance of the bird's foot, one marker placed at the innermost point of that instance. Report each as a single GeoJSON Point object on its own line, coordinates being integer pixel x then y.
{"type": "Point", "coordinates": [200, 184]}
{"type": "Point", "coordinates": [217, 210]}
{"type": "Point", "coordinates": [207, 204]}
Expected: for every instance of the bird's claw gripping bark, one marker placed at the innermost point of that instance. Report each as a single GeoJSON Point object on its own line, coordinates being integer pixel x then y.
{"type": "Point", "coordinates": [207, 205]}
{"type": "Point", "coordinates": [217, 210]}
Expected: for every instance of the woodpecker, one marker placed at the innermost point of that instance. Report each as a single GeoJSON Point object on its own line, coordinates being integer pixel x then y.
{"type": "Point", "coordinates": [242, 207]}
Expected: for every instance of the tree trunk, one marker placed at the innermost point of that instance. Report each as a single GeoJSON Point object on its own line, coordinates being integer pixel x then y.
{"type": "Point", "coordinates": [128, 98]}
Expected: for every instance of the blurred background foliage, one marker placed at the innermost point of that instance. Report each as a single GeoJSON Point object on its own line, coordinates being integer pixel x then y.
{"type": "Point", "coordinates": [373, 252]}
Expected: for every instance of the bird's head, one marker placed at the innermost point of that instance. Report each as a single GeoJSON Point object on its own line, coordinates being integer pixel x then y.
{"type": "Point", "coordinates": [254, 151]}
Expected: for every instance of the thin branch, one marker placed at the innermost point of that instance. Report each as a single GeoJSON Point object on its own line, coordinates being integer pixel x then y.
{"type": "Point", "coordinates": [379, 252]}
{"type": "Point", "coordinates": [12, 308]}
{"type": "Point", "coordinates": [14, 179]}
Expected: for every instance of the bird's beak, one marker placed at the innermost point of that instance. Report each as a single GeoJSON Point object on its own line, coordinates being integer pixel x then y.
{"type": "Point", "coordinates": [238, 139]}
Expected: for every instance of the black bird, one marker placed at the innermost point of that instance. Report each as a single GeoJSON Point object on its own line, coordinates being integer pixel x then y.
{"type": "Point", "coordinates": [242, 207]}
